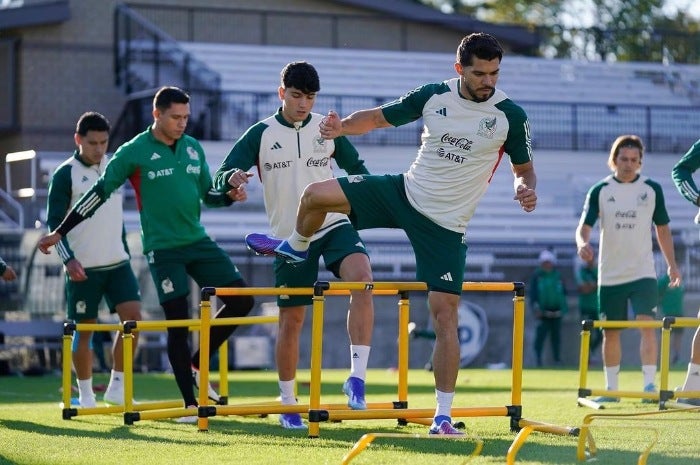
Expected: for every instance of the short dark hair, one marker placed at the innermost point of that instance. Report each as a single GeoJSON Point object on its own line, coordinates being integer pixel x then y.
{"type": "Point", "coordinates": [168, 95]}
{"type": "Point", "coordinates": [91, 121]}
{"type": "Point", "coordinates": [300, 75]}
{"type": "Point", "coordinates": [481, 45]}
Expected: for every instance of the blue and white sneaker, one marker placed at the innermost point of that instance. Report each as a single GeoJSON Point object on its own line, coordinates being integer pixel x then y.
{"type": "Point", "coordinates": [354, 388]}
{"type": "Point", "coordinates": [605, 399]}
{"type": "Point", "coordinates": [262, 244]}
{"type": "Point", "coordinates": [650, 388]}
{"type": "Point", "coordinates": [292, 421]}
{"type": "Point", "coordinates": [442, 425]}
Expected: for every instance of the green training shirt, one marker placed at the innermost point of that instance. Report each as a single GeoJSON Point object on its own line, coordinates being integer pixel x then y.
{"type": "Point", "coordinates": [170, 185]}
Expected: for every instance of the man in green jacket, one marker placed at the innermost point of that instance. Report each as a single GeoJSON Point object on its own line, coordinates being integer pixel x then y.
{"type": "Point", "coordinates": [548, 300]}
{"type": "Point", "coordinates": [171, 177]}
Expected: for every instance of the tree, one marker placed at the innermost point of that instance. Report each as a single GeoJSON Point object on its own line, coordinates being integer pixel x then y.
{"type": "Point", "coordinates": [623, 30]}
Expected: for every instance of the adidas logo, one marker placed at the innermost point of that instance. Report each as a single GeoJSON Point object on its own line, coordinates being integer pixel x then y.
{"type": "Point", "coordinates": [155, 156]}
{"type": "Point", "coordinates": [360, 244]}
{"type": "Point", "coordinates": [447, 277]}
{"type": "Point", "coordinates": [442, 111]}
{"type": "Point", "coordinates": [276, 146]}
{"type": "Point", "coordinates": [354, 355]}
{"type": "Point", "coordinates": [85, 179]}
{"type": "Point", "coordinates": [611, 199]}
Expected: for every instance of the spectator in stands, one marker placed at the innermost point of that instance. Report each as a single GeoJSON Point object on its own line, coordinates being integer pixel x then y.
{"type": "Point", "coordinates": [469, 124]}
{"type": "Point", "coordinates": [169, 171]}
{"type": "Point", "coordinates": [7, 273]}
{"type": "Point", "coordinates": [671, 304]}
{"type": "Point", "coordinates": [682, 174]}
{"type": "Point", "coordinates": [627, 204]}
{"type": "Point", "coordinates": [586, 275]}
{"type": "Point", "coordinates": [94, 269]}
{"type": "Point", "coordinates": [548, 301]}
{"type": "Point", "coordinates": [292, 133]}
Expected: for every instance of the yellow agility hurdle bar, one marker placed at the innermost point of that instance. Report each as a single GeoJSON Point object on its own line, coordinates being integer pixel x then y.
{"type": "Point", "coordinates": [206, 411]}
{"type": "Point", "coordinates": [171, 409]}
{"type": "Point", "coordinates": [584, 392]}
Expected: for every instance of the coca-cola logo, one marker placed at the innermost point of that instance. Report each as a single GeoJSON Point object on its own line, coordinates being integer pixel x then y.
{"type": "Point", "coordinates": [317, 162]}
{"type": "Point", "coordinates": [459, 142]}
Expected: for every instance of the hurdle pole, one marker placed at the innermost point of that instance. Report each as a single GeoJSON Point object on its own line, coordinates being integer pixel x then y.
{"type": "Point", "coordinates": [66, 363]}
{"type": "Point", "coordinates": [586, 326]}
{"type": "Point", "coordinates": [204, 337]}
{"type": "Point", "coordinates": [518, 344]}
{"type": "Point", "coordinates": [404, 318]}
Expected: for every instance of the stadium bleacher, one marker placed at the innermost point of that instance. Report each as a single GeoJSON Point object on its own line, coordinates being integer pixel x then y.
{"type": "Point", "coordinates": [255, 68]}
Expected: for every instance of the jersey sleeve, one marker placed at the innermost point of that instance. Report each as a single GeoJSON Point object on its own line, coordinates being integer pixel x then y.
{"type": "Point", "coordinates": [409, 107]}
{"type": "Point", "coordinates": [682, 174]}
{"type": "Point", "coordinates": [244, 154]}
{"type": "Point", "coordinates": [58, 204]}
{"type": "Point", "coordinates": [518, 144]}
{"type": "Point", "coordinates": [347, 157]}
{"type": "Point", "coordinates": [209, 195]}
{"type": "Point", "coordinates": [591, 206]}
{"type": "Point", "coordinates": [660, 216]}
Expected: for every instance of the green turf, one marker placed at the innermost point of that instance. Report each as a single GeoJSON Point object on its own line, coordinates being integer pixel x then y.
{"type": "Point", "coordinates": [32, 431]}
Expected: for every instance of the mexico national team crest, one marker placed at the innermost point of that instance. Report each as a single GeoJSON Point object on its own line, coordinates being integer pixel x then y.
{"type": "Point", "coordinates": [472, 331]}
{"type": "Point", "coordinates": [319, 144]}
{"type": "Point", "coordinates": [192, 153]}
{"type": "Point", "coordinates": [487, 127]}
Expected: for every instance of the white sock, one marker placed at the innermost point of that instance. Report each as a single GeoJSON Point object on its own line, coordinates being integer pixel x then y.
{"type": "Point", "coordinates": [116, 377]}
{"type": "Point", "coordinates": [85, 388]}
{"type": "Point", "coordinates": [444, 403]}
{"type": "Point", "coordinates": [611, 376]}
{"type": "Point", "coordinates": [359, 355]}
{"type": "Point", "coordinates": [692, 378]}
{"type": "Point", "coordinates": [649, 373]}
{"type": "Point", "coordinates": [287, 392]}
{"type": "Point", "coordinates": [299, 242]}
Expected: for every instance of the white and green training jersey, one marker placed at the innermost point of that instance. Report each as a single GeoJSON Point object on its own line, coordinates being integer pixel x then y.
{"type": "Point", "coordinates": [626, 211]}
{"type": "Point", "coordinates": [100, 242]}
{"type": "Point", "coordinates": [289, 157]}
{"type": "Point", "coordinates": [462, 144]}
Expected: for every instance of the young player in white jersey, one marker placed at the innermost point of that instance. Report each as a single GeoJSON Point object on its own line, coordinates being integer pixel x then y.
{"type": "Point", "coordinates": [468, 126]}
{"type": "Point", "coordinates": [627, 205]}
{"type": "Point", "coordinates": [95, 255]}
{"type": "Point", "coordinates": [289, 153]}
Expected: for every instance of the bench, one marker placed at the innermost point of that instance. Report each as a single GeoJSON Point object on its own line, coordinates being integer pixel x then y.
{"type": "Point", "coordinates": [41, 336]}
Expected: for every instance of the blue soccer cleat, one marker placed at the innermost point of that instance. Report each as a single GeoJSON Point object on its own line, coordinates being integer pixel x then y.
{"type": "Point", "coordinates": [292, 421]}
{"type": "Point", "coordinates": [354, 388]}
{"type": "Point", "coordinates": [262, 244]}
{"type": "Point", "coordinates": [650, 388]}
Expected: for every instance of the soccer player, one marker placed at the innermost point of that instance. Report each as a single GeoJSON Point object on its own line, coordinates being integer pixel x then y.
{"type": "Point", "coordinates": [468, 126]}
{"type": "Point", "coordinates": [171, 177]}
{"type": "Point", "coordinates": [627, 205]}
{"type": "Point", "coordinates": [682, 174]}
{"type": "Point", "coordinates": [289, 142]}
{"type": "Point", "coordinates": [95, 255]}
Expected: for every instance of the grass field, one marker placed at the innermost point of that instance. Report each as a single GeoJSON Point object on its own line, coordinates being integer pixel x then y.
{"type": "Point", "coordinates": [32, 431]}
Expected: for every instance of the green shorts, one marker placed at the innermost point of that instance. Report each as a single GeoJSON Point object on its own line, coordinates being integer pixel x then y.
{"type": "Point", "coordinates": [381, 202]}
{"type": "Point", "coordinates": [334, 246]}
{"type": "Point", "coordinates": [116, 285]}
{"type": "Point", "coordinates": [203, 260]}
{"type": "Point", "coordinates": [642, 294]}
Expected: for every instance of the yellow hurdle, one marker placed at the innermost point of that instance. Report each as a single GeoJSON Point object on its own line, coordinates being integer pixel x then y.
{"type": "Point", "coordinates": [665, 394]}
{"type": "Point", "coordinates": [318, 412]}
